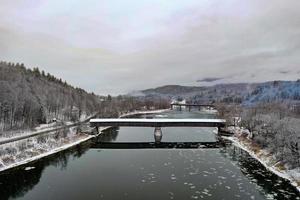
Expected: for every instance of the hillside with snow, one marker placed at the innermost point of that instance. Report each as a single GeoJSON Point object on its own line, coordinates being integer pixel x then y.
{"type": "Point", "coordinates": [245, 93]}
{"type": "Point", "coordinates": [30, 97]}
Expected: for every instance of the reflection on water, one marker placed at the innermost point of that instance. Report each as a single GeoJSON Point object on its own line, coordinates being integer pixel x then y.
{"type": "Point", "coordinates": [17, 182]}
{"type": "Point", "coordinates": [227, 173]}
{"type": "Point", "coordinates": [266, 182]}
{"type": "Point", "coordinates": [146, 134]}
{"type": "Point", "coordinates": [84, 173]}
{"type": "Point", "coordinates": [109, 135]}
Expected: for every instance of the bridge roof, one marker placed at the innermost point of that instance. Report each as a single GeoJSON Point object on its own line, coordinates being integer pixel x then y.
{"type": "Point", "coordinates": [191, 105]}
{"type": "Point", "coordinates": [158, 122]}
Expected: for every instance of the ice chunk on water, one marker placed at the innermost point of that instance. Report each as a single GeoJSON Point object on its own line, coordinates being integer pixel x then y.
{"type": "Point", "coordinates": [28, 168]}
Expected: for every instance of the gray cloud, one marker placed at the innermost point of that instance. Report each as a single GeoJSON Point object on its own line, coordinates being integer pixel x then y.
{"type": "Point", "coordinates": [252, 41]}
{"type": "Point", "coordinates": [284, 72]}
{"type": "Point", "coordinates": [209, 79]}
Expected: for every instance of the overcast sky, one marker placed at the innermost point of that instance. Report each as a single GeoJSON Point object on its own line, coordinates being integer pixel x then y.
{"type": "Point", "coordinates": [117, 46]}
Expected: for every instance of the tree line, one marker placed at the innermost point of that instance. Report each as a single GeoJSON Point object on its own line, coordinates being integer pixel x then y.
{"type": "Point", "coordinates": [274, 126]}
{"type": "Point", "coordinates": [30, 97]}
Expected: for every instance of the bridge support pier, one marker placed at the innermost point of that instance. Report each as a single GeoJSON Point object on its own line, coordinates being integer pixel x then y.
{"type": "Point", "coordinates": [157, 134]}
{"type": "Point", "coordinates": [219, 131]}
{"type": "Point", "coordinates": [97, 130]}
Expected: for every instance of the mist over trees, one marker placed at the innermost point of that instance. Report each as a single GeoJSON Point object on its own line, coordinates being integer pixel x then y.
{"type": "Point", "coordinates": [233, 93]}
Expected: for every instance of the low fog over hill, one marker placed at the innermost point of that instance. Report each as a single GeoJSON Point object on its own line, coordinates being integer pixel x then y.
{"type": "Point", "coordinates": [246, 93]}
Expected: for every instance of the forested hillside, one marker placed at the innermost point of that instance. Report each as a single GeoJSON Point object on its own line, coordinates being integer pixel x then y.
{"type": "Point", "coordinates": [30, 97]}
{"type": "Point", "coordinates": [245, 93]}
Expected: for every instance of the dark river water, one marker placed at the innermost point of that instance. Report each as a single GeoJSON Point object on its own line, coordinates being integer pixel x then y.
{"type": "Point", "coordinates": [87, 172]}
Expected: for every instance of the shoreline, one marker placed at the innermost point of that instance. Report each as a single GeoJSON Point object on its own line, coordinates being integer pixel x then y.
{"type": "Point", "coordinates": [67, 146]}
{"type": "Point", "coordinates": [43, 131]}
{"type": "Point", "coordinates": [236, 142]}
{"type": "Point", "coordinates": [43, 155]}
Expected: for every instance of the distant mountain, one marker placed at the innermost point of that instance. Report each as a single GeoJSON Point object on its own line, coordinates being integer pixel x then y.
{"type": "Point", "coordinates": [245, 93]}
{"type": "Point", "coordinates": [172, 90]}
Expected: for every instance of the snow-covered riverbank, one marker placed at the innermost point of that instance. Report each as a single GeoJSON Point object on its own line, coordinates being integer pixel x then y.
{"type": "Point", "coordinates": [266, 159]}
{"type": "Point", "coordinates": [24, 151]}
{"type": "Point", "coordinates": [40, 130]}
{"type": "Point", "coordinates": [81, 139]}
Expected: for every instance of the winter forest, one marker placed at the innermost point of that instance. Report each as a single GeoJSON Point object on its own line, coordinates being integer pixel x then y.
{"type": "Point", "coordinates": [33, 101]}
{"type": "Point", "coordinates": [272, 126]}
{"type": "Point", "coordinates": [157, 99]}
{"type": "Point", "coordinates": [30, 97]}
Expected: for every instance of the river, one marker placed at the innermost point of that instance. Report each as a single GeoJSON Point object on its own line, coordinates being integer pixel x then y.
{"type": "Point", "coordinates": [85, 172]}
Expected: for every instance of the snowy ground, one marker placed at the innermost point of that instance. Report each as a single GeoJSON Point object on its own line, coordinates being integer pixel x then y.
{"type": "Point", "coordinates": [24, 151]}
{"type": "Point", "coordinates": [39, 130]}
{"type": "Point", "coordinates": [264, 157]}
{"type": "Point", "coordinates": [11, 135]}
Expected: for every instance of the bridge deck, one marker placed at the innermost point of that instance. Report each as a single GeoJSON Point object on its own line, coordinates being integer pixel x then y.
{"type": "Point", "coordinates": [158, 122]}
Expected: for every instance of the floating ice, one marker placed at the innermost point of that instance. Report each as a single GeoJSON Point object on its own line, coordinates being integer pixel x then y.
{"type": "Point", "coordinates": [29, 168]}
